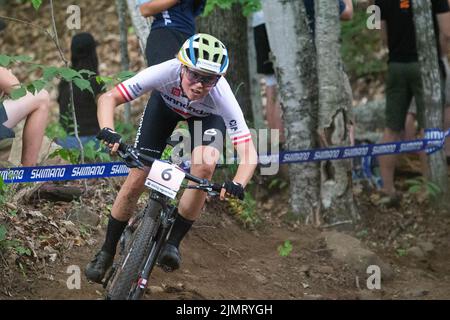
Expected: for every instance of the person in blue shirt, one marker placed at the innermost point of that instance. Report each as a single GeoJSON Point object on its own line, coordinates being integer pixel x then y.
{"type": "Point", "coordinates": [173, 24]}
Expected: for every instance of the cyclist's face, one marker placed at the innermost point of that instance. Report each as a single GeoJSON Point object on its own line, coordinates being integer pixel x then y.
{"type": "Point", "coordinates": [196, 85]}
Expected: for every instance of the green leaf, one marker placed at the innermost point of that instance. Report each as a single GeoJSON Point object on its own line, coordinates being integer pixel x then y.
{"type": "Point", "coordinates": [23, 251]}
{"type": "Point", "coordinates": [36, 4]}
{"type": "Point", "coordinates": [49, 73]}
{"type": "Point", "coordinates": [83, 84]}
{"type": "Point", "coordinates": [87, 72]}
{"type": "Point", "coordinates": [124, 75]}
{"type": "Point", "coordinates": [285, 249]}
{"type": "Point", "coordinates": [68, 74]}
{"type": "Point", "coordinates": [39, 84]}
{"type": "Point", "coordinates": [2, 232]}
{"type": "Point", "coordinates": [4, 60]}
{"type": "Point", "coordinates": [415, 189]}
{"type": "Point", "coordinates": [22, 58]}
{"type": "Point", "coordinates": [18, 93]}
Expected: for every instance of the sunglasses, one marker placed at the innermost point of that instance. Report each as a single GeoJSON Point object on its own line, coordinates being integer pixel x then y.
{"type": "Point", "coordinates": [207, 81]}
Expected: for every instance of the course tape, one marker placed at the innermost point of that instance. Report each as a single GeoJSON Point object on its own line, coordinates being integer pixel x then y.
{"type": "Point", "coordinates": [434, 140]}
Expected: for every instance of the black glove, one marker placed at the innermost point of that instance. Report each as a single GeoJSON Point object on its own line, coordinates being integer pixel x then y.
{"type": "Point", "coordinates": [109, 135]}
{"type": "Point", "coordinates": [234, 189]}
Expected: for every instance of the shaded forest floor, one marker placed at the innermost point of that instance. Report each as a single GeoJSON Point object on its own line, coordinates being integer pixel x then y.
{"type": "Point", "coordinates": [225, 259]}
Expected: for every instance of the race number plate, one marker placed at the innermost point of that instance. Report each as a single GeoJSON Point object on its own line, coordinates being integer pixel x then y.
{"type": "Point", "coordinates": [165, 178]}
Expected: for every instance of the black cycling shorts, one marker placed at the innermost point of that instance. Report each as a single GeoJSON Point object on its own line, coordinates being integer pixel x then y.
{"type": "Point", "coordinates": [163, 44]}
{"type": "Point", "coordinates": [263, 63]}
{"type": "Point", "coordinates": [159, 121]}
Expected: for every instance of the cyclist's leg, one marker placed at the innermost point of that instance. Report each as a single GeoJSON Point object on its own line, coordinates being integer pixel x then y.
{"type": "Point", "coordinates": [35, 109]}
{"type": "Point", "coordinates": [207, 141]}
{"type": "Point", "coordinates": [156, 125]}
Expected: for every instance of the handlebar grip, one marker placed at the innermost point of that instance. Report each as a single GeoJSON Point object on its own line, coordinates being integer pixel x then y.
{"type": "Point", "coordinates": [217, 187]}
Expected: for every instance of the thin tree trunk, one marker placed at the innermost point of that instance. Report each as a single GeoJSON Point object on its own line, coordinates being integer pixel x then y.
{"type": "Point", "coordinates": [334, 116]}
{"type": "Point", "coordinates": [141, 24]}
{"type": "Point", "coordinates": [428, 59]}
{"type": "Point", "coordinates": [124, 59]}
{"type": "Point", "coordinates": [255, 85]}
{"type": "Point", "coordinates": [295, 68]}
{"type": "Point", "coordinates": [227, 25]}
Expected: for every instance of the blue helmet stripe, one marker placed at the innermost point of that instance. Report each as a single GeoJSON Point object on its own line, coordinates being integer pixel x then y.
{"type": "Point", "coordinates": [191, 50]}
{"type": "Point", "coordinates": [224, 64]}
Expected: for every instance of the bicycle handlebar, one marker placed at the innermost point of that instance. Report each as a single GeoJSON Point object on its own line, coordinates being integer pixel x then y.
{"type": "Point", "coordinates": [139, 160]}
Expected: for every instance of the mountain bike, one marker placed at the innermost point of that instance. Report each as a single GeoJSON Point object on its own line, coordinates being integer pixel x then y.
{"type": "Point", "coordinates": [146, 233]}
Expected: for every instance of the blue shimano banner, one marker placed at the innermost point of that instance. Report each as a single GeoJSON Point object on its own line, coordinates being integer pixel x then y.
{"type": "Point", "coordinates": [434, 141]}
{"type": "Point", "coordinates": [67, 172]}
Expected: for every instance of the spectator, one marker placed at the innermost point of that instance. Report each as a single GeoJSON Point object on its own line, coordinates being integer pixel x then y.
{"type": "Point", "coordinates": [404, 77]}
{"type": "Point", "coordinates": [264, 65]}
{"type": "Point", "coordinates": [32, 107]}
{"type": "Point", "coordinates": [83, 57]}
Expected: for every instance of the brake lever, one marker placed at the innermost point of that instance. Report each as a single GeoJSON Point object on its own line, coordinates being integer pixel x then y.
{"type": "Point", "coordinates": [134, 162]}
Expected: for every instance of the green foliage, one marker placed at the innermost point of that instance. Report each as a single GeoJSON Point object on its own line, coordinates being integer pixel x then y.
{"type": "Point", "coordinates": [245, 210]}
{"type": "Point", "coordinates": [248, 6]}
{"type": "Point", "coordinates": [285, 249]}
{"type": "Point", "coordinates": [424, 186]}
{"type": "Point", "coordinates": [361, 46]}
{"type": "Point", "coordinates": [3, 191]}
{"type": "Point", "coordinates": [401, 252]}
{"type": "Point", "coordinates": [16, 245]}
{"type": "Point", "coordinates": [55, 130]}
{"type": "Point", "coordinates": [278, 183]}
{"type": "Point", "coordinates": [36, 4]}
{"type": "Point", "coordinates": [126, 130]}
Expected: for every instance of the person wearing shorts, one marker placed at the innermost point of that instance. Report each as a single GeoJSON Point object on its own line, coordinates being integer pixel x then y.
{"type": "Point", "coordinates": [404, 77]}
{"type": "Point", "coordinates": [190, 87]}
{"type": "Point", "coordinates": [32, 107]}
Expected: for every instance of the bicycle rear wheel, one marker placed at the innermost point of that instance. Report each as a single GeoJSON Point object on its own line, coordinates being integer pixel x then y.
{"type": "Point", "coordinates": [127, 271]}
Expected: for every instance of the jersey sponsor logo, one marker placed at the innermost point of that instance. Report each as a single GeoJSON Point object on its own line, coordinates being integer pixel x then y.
{"type": "Point", "coordinates": [233, 125]}
{"type": "Point", "coordinates": [173, 103]}
{"type": "Point", "coordinates": [211, 132]}
{"type": "Point", "coordinates": [176, 91]}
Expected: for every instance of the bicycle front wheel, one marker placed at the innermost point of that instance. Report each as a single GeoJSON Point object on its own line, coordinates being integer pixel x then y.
{"type": "Point", "coordinates": [127, 272]}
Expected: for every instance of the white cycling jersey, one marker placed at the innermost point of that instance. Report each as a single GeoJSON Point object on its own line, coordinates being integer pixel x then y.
{"type": "Point", "coordinates": [165, 78]}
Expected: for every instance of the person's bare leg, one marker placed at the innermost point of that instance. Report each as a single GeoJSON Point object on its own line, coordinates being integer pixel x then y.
{"type": "Point", "coordinates": [273, 107]}
{"type": "Point", "coordinates": [35, 109]}
{"type": "Point", "coordinates": [388, 162]}
{"type": "Point", "coordinates": [410, 126]}
{"type": "Point", "coordinates": [204, 159]}
{"type": "Point", "coordinates": [128, 196]}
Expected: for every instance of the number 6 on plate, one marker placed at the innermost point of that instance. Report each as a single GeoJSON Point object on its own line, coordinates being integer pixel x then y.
{"type": "Point", "coordinates": [165, 178]}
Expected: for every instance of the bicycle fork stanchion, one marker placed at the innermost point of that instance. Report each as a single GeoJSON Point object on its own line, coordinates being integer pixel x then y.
{"type": "Point", "coordinates": [166, 221]}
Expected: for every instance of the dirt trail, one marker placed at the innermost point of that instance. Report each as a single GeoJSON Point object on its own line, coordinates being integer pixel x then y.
{"type": "Point", "coordinates": [222, 260]}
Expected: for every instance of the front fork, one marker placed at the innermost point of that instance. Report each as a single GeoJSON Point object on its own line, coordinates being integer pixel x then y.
{"type": "Point", "coordinates": [166, 221]}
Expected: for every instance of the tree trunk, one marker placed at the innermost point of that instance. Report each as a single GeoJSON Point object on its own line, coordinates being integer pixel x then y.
{"type": "Point", "coordinates": [295, 67]}
{"type": "Point", "coordinates": [334, 117]}
{"type": "Point", "coordinates": [428, 59]}
{"type": "Point", "coordinates": [255, 85]}
{"type": "Point", "coordinates": [228, 25]}
{"type": "Point", "coordinates": [124, 59]}
{"type": "Point", "coordinates": [141, 24]}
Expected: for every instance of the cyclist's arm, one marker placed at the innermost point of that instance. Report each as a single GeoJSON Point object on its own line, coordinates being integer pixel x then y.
{"type": "Point", "coordinates": [154, 7]}
{"type": "Point", "coordinates": [106, 105]}
{"type": "Point", "coordinates": [248, 161]}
